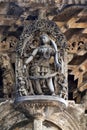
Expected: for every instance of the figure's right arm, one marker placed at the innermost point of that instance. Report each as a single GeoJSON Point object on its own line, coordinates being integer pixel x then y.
{"type": "Point", "coordinates": [32, 56]}
{"type": "Point", "coordinates": [29, 59]}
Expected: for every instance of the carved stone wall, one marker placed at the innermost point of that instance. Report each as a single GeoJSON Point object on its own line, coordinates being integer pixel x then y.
{"type": "Point", "coordinates": [72, 21]}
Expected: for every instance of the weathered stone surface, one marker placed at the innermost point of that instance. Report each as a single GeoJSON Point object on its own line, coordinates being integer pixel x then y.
{"type": "Point", "coordinates": [71, 118]}
{"type": "Point", "coordinates": [72, 21]}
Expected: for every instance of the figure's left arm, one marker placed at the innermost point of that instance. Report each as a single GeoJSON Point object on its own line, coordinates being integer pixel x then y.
{"type": "Point", "coordinates": [58, 65]}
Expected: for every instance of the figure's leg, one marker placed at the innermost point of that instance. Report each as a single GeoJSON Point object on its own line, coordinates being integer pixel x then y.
{"type": "Point", "coordinates": [57, 88]}
{"type": "Point", "coordinates": [50, 85]}
{"type": "Point", "coordinates": [38, 87]}
{"type": "Point", "coordinates": [31, 91]}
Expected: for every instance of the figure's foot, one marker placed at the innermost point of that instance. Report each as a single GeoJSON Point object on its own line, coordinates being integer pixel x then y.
{"type": "Point", "coordinates": [53, 94]}
{"type": "Point", "coordinates": [31, 93]}
{"type": "Point", "coordinates": [41, 94]}
{"type": "Point", "coordinates": [6, 96]}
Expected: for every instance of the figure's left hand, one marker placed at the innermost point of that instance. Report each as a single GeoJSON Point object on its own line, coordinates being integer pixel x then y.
{"type": "Point", "coordinates": [58, 67]}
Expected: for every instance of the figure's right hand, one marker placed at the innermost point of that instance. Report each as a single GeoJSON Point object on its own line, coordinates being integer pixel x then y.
{"type": "Point", "coordinates": [24, 68]}
{"type": "Point", "coordinates": [58, 67]}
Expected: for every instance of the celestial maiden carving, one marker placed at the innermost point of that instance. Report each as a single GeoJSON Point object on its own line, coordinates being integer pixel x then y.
{"type": "Point", "coordinates": [40, 60]}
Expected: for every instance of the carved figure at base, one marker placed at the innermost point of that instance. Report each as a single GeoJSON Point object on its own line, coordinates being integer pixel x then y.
{"type": "Point", "coordinates": [7, 74]}
{"type": "Point", "coordinates": [22, 85]}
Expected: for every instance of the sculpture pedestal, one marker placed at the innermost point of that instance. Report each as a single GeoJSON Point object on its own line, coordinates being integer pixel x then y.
{"type": "Point", "coordinates": [39, 105]}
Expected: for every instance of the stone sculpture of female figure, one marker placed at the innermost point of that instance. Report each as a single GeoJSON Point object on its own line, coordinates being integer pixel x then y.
{"type": "Point", "coordinates": [39, 66]}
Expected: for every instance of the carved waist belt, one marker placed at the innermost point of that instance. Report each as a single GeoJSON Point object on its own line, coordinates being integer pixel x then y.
{"type": "Point", "coordinates": [43, 77]}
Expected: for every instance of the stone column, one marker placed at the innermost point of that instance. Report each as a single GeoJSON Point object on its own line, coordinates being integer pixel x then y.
{"type": "Point", "coordinates": [38, 124]}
